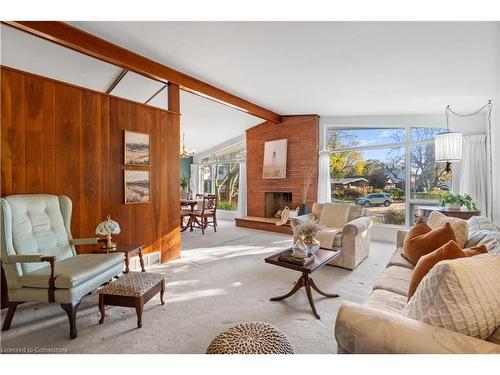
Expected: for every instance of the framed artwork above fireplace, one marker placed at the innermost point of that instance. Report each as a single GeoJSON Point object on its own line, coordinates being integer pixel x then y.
{"type": "Point", "coordinates": [275, 153]}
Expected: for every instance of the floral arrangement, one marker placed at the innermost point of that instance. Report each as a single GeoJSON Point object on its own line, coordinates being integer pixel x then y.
{"type": "Point", "coordinates": [307, 230]}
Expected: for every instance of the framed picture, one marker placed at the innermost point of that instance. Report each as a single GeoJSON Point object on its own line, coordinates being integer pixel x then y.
{"type": "Point", "coordinates": [136, 148]}
{"type": "Point", "coordinates": [137, 186]}
{"type": "Point", "coordinates": [275, 159]}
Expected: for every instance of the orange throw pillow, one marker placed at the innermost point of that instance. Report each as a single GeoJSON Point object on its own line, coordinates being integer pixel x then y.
{"type": "Point", "coordinates": [422, 240]}
{"type": "Point", "coordinates": [448, 251]}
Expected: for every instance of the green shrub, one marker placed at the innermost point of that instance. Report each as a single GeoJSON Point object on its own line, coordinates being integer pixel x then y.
{"type": "Point", "coordinates": [227, 205]}
{"type": "Point", "coordinates": [352, 193]}
{"type": "Point", "coordinates": [394, 217]}
{"type": "Point", "coordinates": [396, 193]}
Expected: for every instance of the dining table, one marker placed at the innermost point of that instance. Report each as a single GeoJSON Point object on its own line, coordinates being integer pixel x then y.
{"type": "Point", "coordinates": [191, 203]}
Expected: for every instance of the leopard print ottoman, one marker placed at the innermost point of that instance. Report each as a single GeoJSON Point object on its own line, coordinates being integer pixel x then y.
{"type": "Point", "coordinates": [251, 338]}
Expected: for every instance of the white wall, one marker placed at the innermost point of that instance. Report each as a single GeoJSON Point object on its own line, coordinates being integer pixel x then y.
{"type": "Point", "coordinates": [496, 140]}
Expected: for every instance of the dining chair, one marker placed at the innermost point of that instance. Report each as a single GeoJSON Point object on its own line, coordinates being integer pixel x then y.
{"type": "Point", "coordinates": [207, 215]}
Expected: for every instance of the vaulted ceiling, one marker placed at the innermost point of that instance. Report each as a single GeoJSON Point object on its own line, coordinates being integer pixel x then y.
{"type": "Point", "coordinates": [327, 68]}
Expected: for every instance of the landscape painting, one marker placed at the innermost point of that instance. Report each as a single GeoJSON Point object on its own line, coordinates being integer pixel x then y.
{"type": "Point", "coordinates": [137, 186]}
{"type": "Point", "coordinates": [136, 148]}
{"type": "Point", "coordinates": [275, 153]}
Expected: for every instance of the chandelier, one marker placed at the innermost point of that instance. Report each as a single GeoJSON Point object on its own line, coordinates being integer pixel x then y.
{"type": "Point", "coordinates": [185, 153]}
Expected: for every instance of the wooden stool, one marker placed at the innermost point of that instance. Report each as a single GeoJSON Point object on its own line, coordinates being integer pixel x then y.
{"type": "Point", "coordinates": [134, 289]}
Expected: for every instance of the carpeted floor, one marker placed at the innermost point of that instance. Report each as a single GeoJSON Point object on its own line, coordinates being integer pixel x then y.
{"type": "Point", "coordinates": [220, 280]}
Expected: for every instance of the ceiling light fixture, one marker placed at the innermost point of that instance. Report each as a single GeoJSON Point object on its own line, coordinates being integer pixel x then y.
{"type": "Point", "coordinates": [185, 153]}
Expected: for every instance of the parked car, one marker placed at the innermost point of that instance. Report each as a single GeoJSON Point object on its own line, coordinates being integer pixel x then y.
{"type": "Point", "coordinates": [375, 199]}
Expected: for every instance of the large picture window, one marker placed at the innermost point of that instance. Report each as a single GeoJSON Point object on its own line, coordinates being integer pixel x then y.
{"type": "Point", "coordinates": [220, 173]}
{"type": "Point", "coordinates": [387, 170]}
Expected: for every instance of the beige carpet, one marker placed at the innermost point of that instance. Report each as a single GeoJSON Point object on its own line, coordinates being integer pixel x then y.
{"type": "Point", "coordinates": [220, 280]}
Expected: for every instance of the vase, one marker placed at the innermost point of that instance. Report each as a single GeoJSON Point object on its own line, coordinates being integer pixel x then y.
{"type": "Point", "coordinates": [303, 209]}
{"type": "Point", "coordinates": [453, 206]}
{"type": "Point", "coordinates": [312, 245]}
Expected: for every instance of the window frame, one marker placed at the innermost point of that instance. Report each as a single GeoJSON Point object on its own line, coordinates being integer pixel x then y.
{"type": "Point", "coordinates": [410, 203]}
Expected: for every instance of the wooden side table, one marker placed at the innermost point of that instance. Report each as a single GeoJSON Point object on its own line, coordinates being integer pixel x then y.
{"type": "Point", "coordinates": [425, 211]}
{"type": "Point", "coordinates": [129, 250]}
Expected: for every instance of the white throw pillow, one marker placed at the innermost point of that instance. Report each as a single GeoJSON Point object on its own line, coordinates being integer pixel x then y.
{"type": "Point", "coordinates": [460, 227]}
{"type": "Point", "coordinates": [461, 295]}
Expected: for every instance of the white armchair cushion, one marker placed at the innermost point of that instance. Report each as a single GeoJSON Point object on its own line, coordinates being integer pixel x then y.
{"type": "Point", "coordinates": [334, 215]}
{"type": "Point", "coordinates": [461, 295]}
{"type": "Point", "coordinates": [72, 271]}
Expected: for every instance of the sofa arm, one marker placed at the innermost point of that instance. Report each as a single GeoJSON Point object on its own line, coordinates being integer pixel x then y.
{"type": "Point", "coordinates": [84, 241]}
{"type": "Point", "coordinates": [362, 329]}
{"type": "Point", "coordinates": [400, 237]}
{"type": "Point", "coordinates": [357, 226]}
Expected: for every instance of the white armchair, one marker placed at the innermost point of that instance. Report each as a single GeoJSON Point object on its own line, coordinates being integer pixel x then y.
{"type": "Point", "coordinates": [39, 259]}
{"type": "Point", "coordinates": [344, 228]}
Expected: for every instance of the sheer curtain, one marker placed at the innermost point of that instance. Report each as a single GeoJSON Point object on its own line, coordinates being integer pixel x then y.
{"type": "Point", "coordinates": [474, 177]}
{"type": "Point", "coordinates": [324, 187]}
{"type": "Point", "coordinates": [242, 190]}
{"type": "Point", "coordinates": [195, 179]}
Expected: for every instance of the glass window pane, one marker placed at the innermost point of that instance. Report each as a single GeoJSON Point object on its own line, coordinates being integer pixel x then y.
{"type": "Point", "coordinates": [226, 186]}
{"type": "Point", "coordinates": [372, 178]}
{"type": "Point", "coordinates": [425, 134]}
{"type": "Point", "coordinates": [342, 138]}
{"type": "Point", "coordinates": [206, 176]}
{"type": "Point", "coordinates": [429, 180]}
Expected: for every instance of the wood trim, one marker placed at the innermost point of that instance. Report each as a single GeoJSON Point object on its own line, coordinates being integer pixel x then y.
{"type": "Point", "coordinates": [91, 45]}
{"type": "Point", "coordinates": [5, 67]}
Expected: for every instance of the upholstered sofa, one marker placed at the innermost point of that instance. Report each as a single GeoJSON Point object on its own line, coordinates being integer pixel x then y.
{"type": "Point", "coordinates": [39, 258]}
{"type": "Point", "coordinates": [343, 228]}
{"type": "Point", "coordinates": [378, 326]}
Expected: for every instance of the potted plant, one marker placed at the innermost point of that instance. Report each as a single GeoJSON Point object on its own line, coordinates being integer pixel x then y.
{"type": "Point", "coordinates": [184, 183]}
{"type": "Point", "coordinates": [456, 201]}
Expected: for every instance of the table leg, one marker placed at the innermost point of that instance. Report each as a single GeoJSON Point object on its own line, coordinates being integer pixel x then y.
{"type": "Point", "coordinates": [138, 310]}
{"type": "Point", "coordinates": [315, 287]}
{"type": "Point", "coordinates": [299, 284]}
{"type": "Point", "coordinates": [162, 291]}
{"type": "Point", "coordinates": [141, 260]}
{"type": "Point", "coordinates": [101, 308]}
{"type": "Point", "coordinates": [126, 263]}
{"type": "Point", "coordinates": [310, 298]}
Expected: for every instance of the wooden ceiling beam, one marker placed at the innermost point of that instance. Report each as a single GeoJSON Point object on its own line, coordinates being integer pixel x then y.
{"type": "Point", "coordinates": [91, 45]}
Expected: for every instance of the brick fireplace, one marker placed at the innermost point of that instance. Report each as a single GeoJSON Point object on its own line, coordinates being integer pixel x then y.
{"type": "Point", "coordinates": [275, 201]}
{"type": "Point", "coordinates": [301, 182]}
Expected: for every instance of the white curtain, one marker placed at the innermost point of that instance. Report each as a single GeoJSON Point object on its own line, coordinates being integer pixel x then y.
{"type": "Point", "coordinates": [474, 178]}
{"type": "Point", "coordinates": [324, 187]}
{"type": "Point", "coordinates": [195, 179]}
{"type": "Point", "coordinates": [242, 190]}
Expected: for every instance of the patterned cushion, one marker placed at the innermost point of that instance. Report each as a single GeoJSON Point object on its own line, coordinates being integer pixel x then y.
{"type": "Point", "coordinates": [251, 338]}
{"type": "Point", "coordinates": [133, 284]}
{"type": "Point", "coordinates": [461, 295]}
{"type": "Point", "coordinates": [459, 226]}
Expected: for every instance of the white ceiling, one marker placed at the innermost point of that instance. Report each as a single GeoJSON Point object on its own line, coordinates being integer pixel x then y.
{"type": "Point", "coordinates": [327, 68]}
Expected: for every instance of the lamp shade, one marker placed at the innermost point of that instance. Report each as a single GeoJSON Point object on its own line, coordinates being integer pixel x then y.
{"type": "Point", "coordinates": [448, 147]}
{"type": "Point", "coordinates": [108, 227]}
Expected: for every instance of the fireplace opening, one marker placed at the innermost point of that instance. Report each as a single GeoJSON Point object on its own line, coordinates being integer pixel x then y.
{"type": "Point", "coordinates": [276, 201]}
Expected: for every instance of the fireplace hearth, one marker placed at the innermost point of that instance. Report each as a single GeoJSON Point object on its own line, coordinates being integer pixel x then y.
{"type": "Point", "coordinates": [276, 201]}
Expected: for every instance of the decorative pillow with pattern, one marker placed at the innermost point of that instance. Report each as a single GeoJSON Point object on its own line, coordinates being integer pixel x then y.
{"type": "Point", "coordinates": [461, 295]}
{"type": "Point", "coordinates": [460, 227]}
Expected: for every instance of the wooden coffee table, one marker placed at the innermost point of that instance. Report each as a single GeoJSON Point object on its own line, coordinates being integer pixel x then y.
{"type": "Point", "coordinates": [322, 257]}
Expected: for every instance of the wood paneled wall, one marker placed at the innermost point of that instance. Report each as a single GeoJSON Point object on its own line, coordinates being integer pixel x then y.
{"type": "Point", "coordinates": [302, 133]}
{"type": "Point", "coordinates": [61, 139]}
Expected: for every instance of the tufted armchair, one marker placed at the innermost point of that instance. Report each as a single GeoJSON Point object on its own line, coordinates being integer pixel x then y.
{"type": "Point", "coordinates": [39, 259]}
{"type": "Point", "coordinates": [343, 228]}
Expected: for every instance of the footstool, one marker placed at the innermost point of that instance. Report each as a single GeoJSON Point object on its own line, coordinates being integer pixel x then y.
{"type": "Point", "coordinates": [251, 338]}
{"type": "Point", "coordinates": [134, 289]}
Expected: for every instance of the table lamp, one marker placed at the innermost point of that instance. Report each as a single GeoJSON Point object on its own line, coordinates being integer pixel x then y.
{"type": "Point", "coordinates": [107, 228]}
